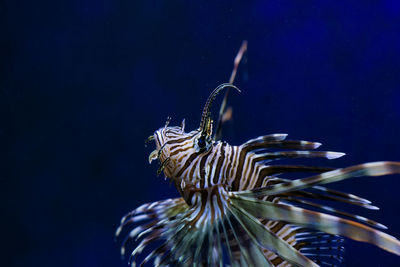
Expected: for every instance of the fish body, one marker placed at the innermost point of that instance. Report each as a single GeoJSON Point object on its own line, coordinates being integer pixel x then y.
{"type": "Point", "coordinates": [235, 208]}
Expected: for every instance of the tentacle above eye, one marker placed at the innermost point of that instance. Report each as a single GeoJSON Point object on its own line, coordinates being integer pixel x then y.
{"type": "Point", "coordinates": [205, 118]}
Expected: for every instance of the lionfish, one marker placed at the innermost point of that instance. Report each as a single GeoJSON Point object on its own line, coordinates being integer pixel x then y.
{"type": "Point", "coordinates": [235, 210]}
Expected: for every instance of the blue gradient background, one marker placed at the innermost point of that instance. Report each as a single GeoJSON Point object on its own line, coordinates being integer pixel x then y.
{"type": "Point", "coordinates": [83, 83]}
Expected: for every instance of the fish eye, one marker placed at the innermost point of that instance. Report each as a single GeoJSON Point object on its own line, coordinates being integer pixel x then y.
{"type": "Point", "coordinates": [201, 142]}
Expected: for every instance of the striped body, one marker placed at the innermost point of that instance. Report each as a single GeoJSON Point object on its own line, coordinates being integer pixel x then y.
{"type": "Point", "coordinates": [236, 210]}
{"type": "Point", "coordinates": [234, 167]}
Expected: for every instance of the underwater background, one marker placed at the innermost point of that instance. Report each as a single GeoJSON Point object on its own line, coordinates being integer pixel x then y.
{"type": "Point", "coordinates": [84, 83]}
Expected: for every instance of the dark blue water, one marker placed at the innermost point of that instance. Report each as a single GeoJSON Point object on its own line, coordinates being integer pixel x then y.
{"type": "Point", "coordinates": [83, 83]}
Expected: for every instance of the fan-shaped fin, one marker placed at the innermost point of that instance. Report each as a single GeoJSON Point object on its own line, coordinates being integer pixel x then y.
{"type": "Point", "coordinates": [298, 154]}
{"type": "Point", "coordinates": [324, 249]}
{"type": "Point", "coordinates": [267, 239]}
{"type": "Point", "coordinates": [285, 144]}
{"type": "Point", "coordinates": [316, 195]}
{"type": "Point", "coordinates": [266, 138]}
{"type": "Point", "coordinates": [271, 170]}
{"type": "Point", "coordinates": [362, 219]}
{"type": "Point", "coordinates": [250, 253]}
{"type": "Point", "coordinates": [319, 221]}
{"type": "Point", "coordinates": [367, 169]}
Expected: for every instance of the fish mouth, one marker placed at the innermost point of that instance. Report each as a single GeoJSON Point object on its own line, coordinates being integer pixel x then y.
{"type": "Point", "coordinates": [153, 155]}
